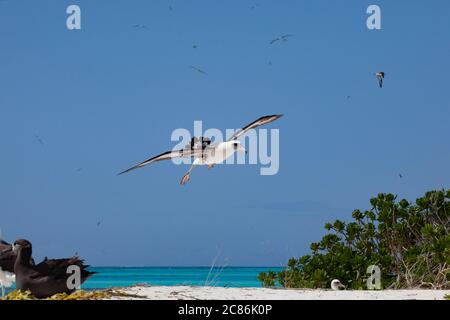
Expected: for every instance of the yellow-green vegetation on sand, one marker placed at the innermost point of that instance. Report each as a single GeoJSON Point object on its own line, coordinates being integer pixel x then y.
{"type": "Point", "coordinates": [77, 295]}
{"type": "Point", "coordinates": [19, 295]}
{"type": "Point", "coordinates": [88, 295]}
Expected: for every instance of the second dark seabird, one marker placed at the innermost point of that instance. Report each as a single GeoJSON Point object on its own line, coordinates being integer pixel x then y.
{"type": "Point", "coordinates": [7, 257]}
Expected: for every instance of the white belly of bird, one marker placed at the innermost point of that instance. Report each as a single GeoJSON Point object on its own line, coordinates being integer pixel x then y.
{"type": "Point", "coordinates": [220, 153]}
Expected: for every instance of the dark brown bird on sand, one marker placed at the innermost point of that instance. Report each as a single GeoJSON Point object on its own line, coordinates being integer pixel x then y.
{"type": "Point", "coordinates": [48, 277]}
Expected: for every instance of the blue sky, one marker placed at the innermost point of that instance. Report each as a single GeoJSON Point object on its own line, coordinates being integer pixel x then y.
{"type": "Point", "coordinates": [110, 95]}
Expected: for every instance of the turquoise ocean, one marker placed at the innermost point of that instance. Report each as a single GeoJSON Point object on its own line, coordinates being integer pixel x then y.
{"type": "Point", "coordinates": [171, 276]}
{"type": "Point", "coordinates": [108, 277]}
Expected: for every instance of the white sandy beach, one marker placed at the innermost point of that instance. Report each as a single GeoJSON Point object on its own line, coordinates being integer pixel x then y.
{"type": "Point", "coordinates": [221, 293]}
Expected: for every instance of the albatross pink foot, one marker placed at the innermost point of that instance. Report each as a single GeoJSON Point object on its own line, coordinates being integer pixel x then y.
{"type": "Point", "coordinates": [185, 179]}
{"type": "Point", "coordinates": [210, 166]}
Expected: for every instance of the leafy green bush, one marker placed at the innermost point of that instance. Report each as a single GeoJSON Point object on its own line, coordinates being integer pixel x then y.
{"type": "Point", "coordinates": [410, 242]}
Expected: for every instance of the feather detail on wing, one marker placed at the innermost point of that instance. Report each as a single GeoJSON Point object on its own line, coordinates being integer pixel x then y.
{"type": "Point", "coordinates": [261, 121]}
{"type": "Point", "coordinates": [57, 268]}
{"type": "Point", "coordinates": [167, 156]}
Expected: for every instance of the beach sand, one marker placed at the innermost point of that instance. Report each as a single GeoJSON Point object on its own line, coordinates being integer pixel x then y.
{"type": "Point", "coordinates": [221, 293]}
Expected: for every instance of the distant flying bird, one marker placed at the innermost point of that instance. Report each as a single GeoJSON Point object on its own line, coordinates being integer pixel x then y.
{"type": "Point", "coordinates": [400, 175]}
{"type": "Point", "coordinates": [380, 77]}
{"type": "Point", "coordinates": [283, 38]}
{"type": "Point", "coordinates": [198, 70]}
{"type": "Point", "coordinates": [47, 278]}
{"type": "Point", "coordinates": [206, 153]}
{"type": "Point", "coordinates": [337, 285]}
{"type": "Point", "coordinates": [38, 138]}
{"type": "Point", "coordinates": [140, 26]}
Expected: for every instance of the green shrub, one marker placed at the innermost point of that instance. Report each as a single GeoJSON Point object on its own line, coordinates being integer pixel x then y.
{"type": "Point", "coordinates": [410, 242]}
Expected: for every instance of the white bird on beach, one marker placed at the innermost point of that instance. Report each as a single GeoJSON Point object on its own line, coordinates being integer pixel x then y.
{"type": "Point", "coordinates": [205, 153]}
{"type": "Point", "coordinates": [6, 280]}
{"type": "Point", "coordinates": [336, 285]}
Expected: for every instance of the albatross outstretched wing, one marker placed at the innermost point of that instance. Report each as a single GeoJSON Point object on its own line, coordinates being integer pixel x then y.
{"type": "Point", "coordinates": [167, 156]}
{"type": "Point", "coordinates": [261, 121]}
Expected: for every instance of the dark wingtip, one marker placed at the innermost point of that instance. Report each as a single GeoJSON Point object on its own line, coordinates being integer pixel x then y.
{"type": "Point", "coordinates": [128, 170]}
{"type": "Point", "coordinates": [277, 116]}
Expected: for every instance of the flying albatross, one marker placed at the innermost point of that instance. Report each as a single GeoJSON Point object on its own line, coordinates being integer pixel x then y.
{"type": "Point", "coordinates": [205, 153]}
